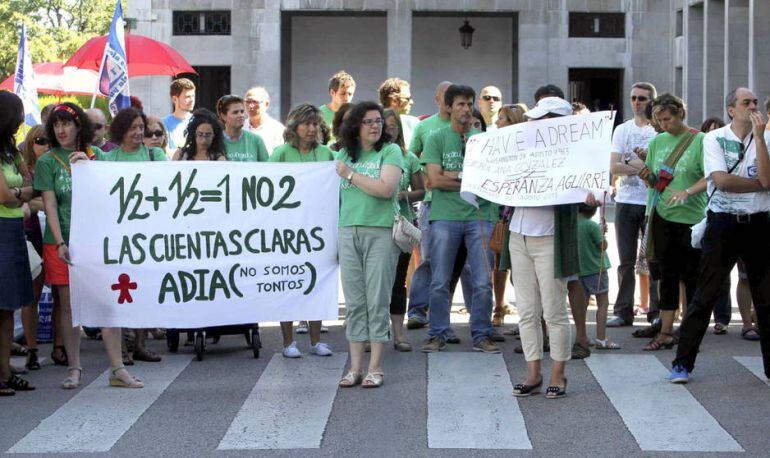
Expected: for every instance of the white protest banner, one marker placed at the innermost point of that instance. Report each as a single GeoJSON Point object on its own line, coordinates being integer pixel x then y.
{"type": "Point", "coordinates": [537, 163]}
{"type": "Point", "coordinates": [192, 244]}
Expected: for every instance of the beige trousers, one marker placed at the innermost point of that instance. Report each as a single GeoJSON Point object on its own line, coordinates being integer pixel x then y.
{"type": "Point", "coordinates": [539, 294]}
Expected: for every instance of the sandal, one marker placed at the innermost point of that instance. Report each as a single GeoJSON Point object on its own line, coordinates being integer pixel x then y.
{"type": "Point", "coordinates": [580, 351]}
{"type": "Point", "coordinates": [18, 350]}
{"type": "Point", "coordinates": [402, 346]}
{"type": "Point", "coordinates": [655, 344]}
{"type": "Point", "coordinates": [556, 392]}
{"type": "Point", "coordinates": [350, 379]}
{"type": "Point", "coordinates": [720, 329]}
{"type": "Point", "coordinates": [17, 383]}
{"type": "Point", "coordinates": [605, 344]}
{"type": "Point", "coordinates": [373, 380]}
{"type": "Point", "coordinates": [146, 356]}
{"type": "Point", "coordinates": [750, 334]}
{"type": "Point", "coordinates": [6, 390]}
{"type": "Point", "coordinates": [32, 363]}
{"type": "Point", "coordinates": [521, 390]}
{"type": "Point", "coordinates": [127, 360]}
{"type": "Point", "coordinates": [120, 383]}
{"type": "Point", "coordinates": [70, 382]}
{"type": "Point", "coordinates": [59, 356]}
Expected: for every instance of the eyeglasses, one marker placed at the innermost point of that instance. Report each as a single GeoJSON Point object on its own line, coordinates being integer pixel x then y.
{"type": "Point", "coordinates": [153, 133]}
{"type": "Point", "coordinates": [204, 135]}
{"type": "Point", "coordinates": [640, 98]}
{"type": "Point", "coordinates": [253, 102]}
{"type": "Point", "coordinates": [487, 98]}
{"type": "Point", "coordinates": [369, 122]}
{"type": "Point", "coordinates": [98, 126]}
{"type": "Point", "coordinates": [42, 141]}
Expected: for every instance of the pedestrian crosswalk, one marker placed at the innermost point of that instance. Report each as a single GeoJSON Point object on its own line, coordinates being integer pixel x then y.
{"type": "Point", "coordinates": [467, 398]}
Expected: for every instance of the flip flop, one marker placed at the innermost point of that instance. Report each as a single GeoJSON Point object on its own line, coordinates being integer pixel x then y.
{"type": "Point", "coordinates": [373, 380]}
{"type": "Point", "coordinates": [750, 334]}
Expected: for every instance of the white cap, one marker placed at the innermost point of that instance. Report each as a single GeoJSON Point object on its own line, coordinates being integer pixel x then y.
{"type": "Point", "coordinates": [548, 105]}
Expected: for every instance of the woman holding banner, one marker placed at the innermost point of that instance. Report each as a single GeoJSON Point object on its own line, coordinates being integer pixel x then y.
{"type": "Point", "coordinates": [15, 275]}
{"type": "Point", "coordinates": [69, 130]}
{"type": "Point", "coordinates": [370, 168]}
{"type": "Point", "coordinates": [301, 137]}
{"type": "Point", "coordinates": [677, 200]}
{"type": "Point", "coordinates": [205, 139]}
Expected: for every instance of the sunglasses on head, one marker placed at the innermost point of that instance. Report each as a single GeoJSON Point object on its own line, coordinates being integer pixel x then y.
{"type": "Point", "coordinates": [153, 133]}
{"type": "Point", "coordinates": [641, 98]}
{"type": "Point", "coordinates": [42, 141]}
{"type": "Point", "coordinates": [490, 97]}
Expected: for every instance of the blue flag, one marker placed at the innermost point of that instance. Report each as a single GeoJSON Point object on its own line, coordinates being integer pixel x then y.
{"type": "Point", "coordinates": [24, 82]}
{"type": "Point", "coordinates": [113, 77]}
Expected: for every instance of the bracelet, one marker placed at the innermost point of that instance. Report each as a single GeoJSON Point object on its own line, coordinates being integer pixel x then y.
{"type": "Point", "coordinates": [17, 193]}
{"type": "Point", "coordinates": [62, 244]}
{"type": "Point", "coordinates": [350, 176]}
{"type": "Point", "coordinates": [688, 191]}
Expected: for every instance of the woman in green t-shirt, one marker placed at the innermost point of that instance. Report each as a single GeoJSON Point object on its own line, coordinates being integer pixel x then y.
{"type": "Point", "coordinates": [15, 275]}
{"type": "Point", "coordinates": [205, 139]}
{"type": "Point", "coordinates": [301, 137]}
{"type": "Point", "coordinates": [411, 179]}
{"type": "Point", "coordinates": [241, 145]}
{"type": "Point", "coordinates": [677, 201]}
{"type": "Point", "coordinates": [70, 131]}
{"type": "Point", "coordinates": [370, 168]}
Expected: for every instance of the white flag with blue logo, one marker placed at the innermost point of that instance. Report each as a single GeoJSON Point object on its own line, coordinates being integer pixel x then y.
{"type": "Point", "coordinates": [24, 82]}
{"type": "Point", "coordinates": [113, 76]}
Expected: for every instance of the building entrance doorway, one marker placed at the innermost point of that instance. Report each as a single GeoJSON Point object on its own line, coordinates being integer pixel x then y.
{"type": "Point", "coordinates": [210, 83]}
{"type": "Point", "coordinates": [598, 88]}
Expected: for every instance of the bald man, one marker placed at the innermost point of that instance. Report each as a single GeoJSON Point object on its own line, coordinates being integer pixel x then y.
{"type": "Point", "coordinates": [97, 118]}
{"type": "Point", "coordinates": [490, 102]}
{"type": "Point", "coordinates": [257, 101]}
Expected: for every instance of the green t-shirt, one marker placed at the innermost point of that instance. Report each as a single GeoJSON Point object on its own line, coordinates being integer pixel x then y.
{"type": "Point", "coordinates": [688, 170]}
{"type": "Point", "coordinates": [327, 114]}
{"type": "Point", "coordinates": [411, 166]}
{"type": "Point", "coordinates": [358, 208]}
{"type": "Point", "coordinates": [142, 154]}
{"type": "Point", "coordinates": [14, 180]}
{"type": "Point", "coordinates": [426, 127]}
{"type": "Point", "coordinates": [248, 148]}
{"type": "Point", "coordinates": [444, 148]}
{"type": "Point", "coordinates": [288, 153]}
{"type": "Point", "coordinates": [590, 240]}
{"type": "Point", "coordinates": [51, 175]}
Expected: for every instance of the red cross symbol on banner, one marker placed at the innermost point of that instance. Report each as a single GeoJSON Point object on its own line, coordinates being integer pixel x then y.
{"type": "Point", "coordinates": [124, 284]}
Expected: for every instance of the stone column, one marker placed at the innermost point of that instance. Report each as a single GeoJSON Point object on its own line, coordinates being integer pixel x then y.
{"type": "Point", "coordinates": [533, 41]}
{"type": "Point", "coordinates": [263, 66]}
{"type": "Point", "coordinates": [759, 59]}
{"type": "Point", "coordinates": [692, 81]}
{"type": "Point", "coordinates": [736, 44]}
{"type": "Point", "coordinates": [400, 40]}
{"type": "Point", "coordinates": [713, 58]}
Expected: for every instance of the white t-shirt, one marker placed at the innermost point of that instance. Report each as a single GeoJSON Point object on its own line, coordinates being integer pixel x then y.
{"type": "Point", "coordinates": [721, 151]}
{"type": "Point", "coordinates": [627, 136]}
{"type": "Point", "coordinates": [408, 123]}
{"type": "Point", "coordinates": [533, 221]}
{"type": "Point", "coordinates": [270, 130]}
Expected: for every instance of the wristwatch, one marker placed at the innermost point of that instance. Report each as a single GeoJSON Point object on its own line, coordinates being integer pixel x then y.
{"type": "Point", "coordinates": [17, 193]}
{"type": "Point", "coordinates": [459, 175]}
{"type": "Point", "coordinates": [350, 176]}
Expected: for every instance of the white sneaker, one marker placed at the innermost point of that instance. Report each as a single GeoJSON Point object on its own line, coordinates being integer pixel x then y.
{"type": "Point", "coordinates": [320, 349]}
{"type": "Point", "coordinates": [302, 327]}
{"type": "Point", "coordinates": [291, 351]}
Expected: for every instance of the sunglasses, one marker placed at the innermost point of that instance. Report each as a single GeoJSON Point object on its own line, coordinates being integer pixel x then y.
{"type": "Point", "coordinates": [153, 133]}
{"type": "Point", "coordinates": [487, 98]}
{"type": "Point", "coordinates": [640, 98]}
{"type": "Point", "coordinates": [42, 141]}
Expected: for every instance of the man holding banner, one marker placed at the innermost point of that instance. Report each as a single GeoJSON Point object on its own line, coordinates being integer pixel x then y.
{"type": "Point", "coordinates": [542, 169]}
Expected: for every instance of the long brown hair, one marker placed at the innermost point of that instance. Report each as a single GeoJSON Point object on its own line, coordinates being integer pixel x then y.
{"type": "Point", "coordinates": [28, 153]}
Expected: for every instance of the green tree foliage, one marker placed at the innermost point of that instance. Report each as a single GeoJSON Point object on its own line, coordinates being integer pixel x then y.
{"type": "Point", "coordinates": [55, 28]}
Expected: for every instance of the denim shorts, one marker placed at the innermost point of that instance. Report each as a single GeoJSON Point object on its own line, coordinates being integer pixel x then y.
{"type": "Point", "coordinates": [591, 283]}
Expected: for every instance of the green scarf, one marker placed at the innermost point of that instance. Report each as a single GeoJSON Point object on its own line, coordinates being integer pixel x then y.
{"type": "Point", "coordinates": [566, 260]}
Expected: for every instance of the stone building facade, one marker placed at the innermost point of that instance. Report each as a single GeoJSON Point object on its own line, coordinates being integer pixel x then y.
{"type": "Point", "coordinates": [594, 49]}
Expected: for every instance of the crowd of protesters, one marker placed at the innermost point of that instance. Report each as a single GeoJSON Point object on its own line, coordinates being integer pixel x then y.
{"type": "Point", "coordinates": [671, 182]}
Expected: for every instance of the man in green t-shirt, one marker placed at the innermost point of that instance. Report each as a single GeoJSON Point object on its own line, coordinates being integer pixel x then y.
{"type": "Point", "coordinates": [342, 87]}
{"type": "Point", "coordinates": [455, 222]}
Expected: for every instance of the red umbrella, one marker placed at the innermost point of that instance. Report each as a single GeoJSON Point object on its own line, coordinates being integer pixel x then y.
{"type": "Point", "coordinates": [53, 78]}
{"type": "Point", "coordinates": [145, 56]}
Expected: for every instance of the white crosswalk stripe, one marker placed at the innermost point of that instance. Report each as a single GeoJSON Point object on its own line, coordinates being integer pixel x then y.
{"type": "Point", "coordinates": [307, 385]}
{"type": "Point", "coordinates": [95, 418]}
{"type": "Point", "coordinates": [470, 405]}
{"type": "Point", "coordinates": [754, 364]}
{"type": "Point", "coordinates": [661, 416]}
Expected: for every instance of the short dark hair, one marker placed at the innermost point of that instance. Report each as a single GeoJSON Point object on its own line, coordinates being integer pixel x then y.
{"type": "Point", "coordinates": [390, 88]}
{"type": "Point", "coordinates": [549, 90]}
{"type": "Point", "coordinates": [586, 210]}
{"type": "Point", "coordinates": [190, 148]}
{"type": "Point", "coordinates": [69, 111]}
{"type": "Point", "coordinates": [300, 114]}
{"type": "Point", "coordinates": [224, 102]}
{"type": "Point", "coordinates": [11, 117]}
{"type": "Point", "coordinates": [458, 90]}
{"type": "Point", "coordinates": [122, 121]}
{"type": "Point", "coordinates": [180, 85]}
{"type": "Point", "coordinates": [711, 124]}
{"type": "Point", "coordinates": [351, 128]}
{"type": "Point", "coordinates": [649, 87]}
{"type": "Point", "coordinates": [339, 116]}
{"type": "Point", "coordinates": [477, 114]}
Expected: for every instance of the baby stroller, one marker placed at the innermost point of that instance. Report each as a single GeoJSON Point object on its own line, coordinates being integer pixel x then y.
{"type": "Point", "coordinates": [249, 331]}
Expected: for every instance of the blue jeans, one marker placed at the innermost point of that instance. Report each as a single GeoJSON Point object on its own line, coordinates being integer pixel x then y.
{"type": "Point", "coordinates": [419, 290]}
{"type": "Point", "coordinates": [446, 237]}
